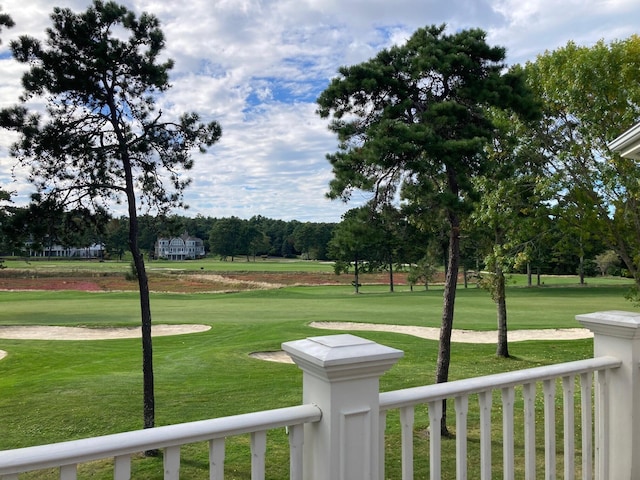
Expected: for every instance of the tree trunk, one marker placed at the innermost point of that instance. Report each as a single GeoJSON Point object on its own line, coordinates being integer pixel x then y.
{"type": "Point", "coordinates": [529, 279]}
{"type": "Point", "coordinates": [581, 269]}
{"type": "Point", "coordinates": [147, 348]}
{"type": "Point", "coordinates": [356, 281]}
{"type": "Point", "coordinates": [449, 296]}
{"type": "Point", "coordinates": [501, 304]}
{"type": "Point", "coordinates": [145, 304]}
{"type": "Point", "coordinates": [391, 276]}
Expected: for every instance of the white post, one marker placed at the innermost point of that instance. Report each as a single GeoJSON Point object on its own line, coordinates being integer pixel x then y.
{"type": "Point", "coordinates": [617, 334]}
{"type": "Point", "coordinates": [341, 375]}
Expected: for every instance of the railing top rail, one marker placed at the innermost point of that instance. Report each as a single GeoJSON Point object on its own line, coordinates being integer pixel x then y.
{"type": "Point", "coordinates": [88, 449]}
{"type": "Point", "coordinates": [440, 391]}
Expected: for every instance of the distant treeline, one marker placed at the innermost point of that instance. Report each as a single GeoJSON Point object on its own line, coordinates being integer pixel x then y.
{"type": "Point", "coordinates": [225, 237]}
{"type": "Point", "coordinates": [232, 238]}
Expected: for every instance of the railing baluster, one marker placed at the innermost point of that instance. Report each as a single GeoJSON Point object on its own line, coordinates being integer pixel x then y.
{"type": "Point", "coordinates": [435, 440]}
{"type": "Point", "coordinates": [122, 467]}
{"type": "Point", "coordinates": [382, 444]}
{"type": "Point", "coordinates": [296, 440]}
{"type": "Point", "coordinates": [69, 472]}
{"type": "Point", "coordinates": [171, 463]}
{"type": "Point", "coordinates": [258, 451]}
{"type": "Point", "coordinates": [586, 413]}
{"type": "Point", "coordinates": [484, 399]}
{"type": "Point", "coordinates": [508, 396]}
{"type": "Point", "coordinates": [549, 389]}
{"type": "Point", "coordinates": [569, 416]}
{"type": "Point", "coordinates": [529, 397]}
{"type": "Point", "coordinates": [407, 415]}
{"type": "Point", "coordinates": [216, 459]}
{"type": "Point", "coordinates": [602, 432]}
{"type": "Point", "coordinates": [462, 410]}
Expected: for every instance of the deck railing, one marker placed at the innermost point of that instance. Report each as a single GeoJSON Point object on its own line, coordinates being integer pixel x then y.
{"type": "Point", "coordinates": [121, 446]}
{"type": "Point", "coordinates": [506, 383]}
{"type": "Point", "coordinates": [338, 432]}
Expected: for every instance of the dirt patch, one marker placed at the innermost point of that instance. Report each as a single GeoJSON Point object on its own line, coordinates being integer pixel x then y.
{"type": "Point", "coordinates": [173, 283]}
{"type": "Point", "coordinates": [82, 333]}
{"type": "Point", "coordinates": [182, 282]}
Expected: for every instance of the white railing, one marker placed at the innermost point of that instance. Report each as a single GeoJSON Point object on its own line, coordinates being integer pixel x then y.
{"type": "Point", "coordinates": [121, 446]}
{"type": "Point", "coordinates": [338, 432]}
{"type": "Point", "coordinates": [505, 383]}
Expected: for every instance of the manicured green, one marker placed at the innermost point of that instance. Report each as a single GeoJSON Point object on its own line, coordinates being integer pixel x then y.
{"type": "Point", "coordinates": [240, 264]}
{"type": "Point", "coordinates": [60, 390]}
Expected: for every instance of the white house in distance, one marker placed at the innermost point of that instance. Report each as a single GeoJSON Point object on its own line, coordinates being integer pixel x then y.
{"type": "Point", "coordinates": [95, 250]}
{"type": "Point", "coordinates": [184, 247]}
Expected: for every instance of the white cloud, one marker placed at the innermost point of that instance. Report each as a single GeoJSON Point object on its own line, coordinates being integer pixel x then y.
{"type": "Point", "coordinates": [257, 66]}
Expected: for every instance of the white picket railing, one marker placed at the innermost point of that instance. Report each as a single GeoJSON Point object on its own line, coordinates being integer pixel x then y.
{"type": "Point", "coordinates": [460, 391]}
{"type": "Point", "coordinates": [338, 431]}
{"type": "Point", "coordinates": [120, 446]}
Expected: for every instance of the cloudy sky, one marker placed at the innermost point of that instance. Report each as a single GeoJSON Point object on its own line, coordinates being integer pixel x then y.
{"type": "Point", "coordinates": [257, 67]}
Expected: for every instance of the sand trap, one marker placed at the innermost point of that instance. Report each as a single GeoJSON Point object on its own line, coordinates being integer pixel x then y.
{"type": "Point", "coordinates": [278, 356]}
{"type": "Point", "coordinates": [82, 333]}
{"type": "Point", "coordinates": [462, 336]}
{"type": "Point", "coordinates": [431, 333]}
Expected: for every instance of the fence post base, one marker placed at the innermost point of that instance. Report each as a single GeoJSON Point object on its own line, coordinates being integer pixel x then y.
{"type": "Point", "coordinates": [617, 334]}
{"type": "Point", "coordinates": [341, 375]}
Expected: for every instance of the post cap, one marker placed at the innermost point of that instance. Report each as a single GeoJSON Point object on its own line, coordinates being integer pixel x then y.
{"type": "Point", "coordinates": [348, 354]}
{"type": "Point", "coordinates": [614, 323]}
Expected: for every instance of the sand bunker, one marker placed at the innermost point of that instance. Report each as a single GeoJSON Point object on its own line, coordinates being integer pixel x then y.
{"type": "Point", "coordinates": [462, 336]}
{"type": "Point", "coordinates": [431, 333]}
{"type": "Point", "coordinates": [82, 333]}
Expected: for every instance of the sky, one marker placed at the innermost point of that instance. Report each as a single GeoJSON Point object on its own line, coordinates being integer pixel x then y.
{"type": "Point", "coordinates": [258, 66]}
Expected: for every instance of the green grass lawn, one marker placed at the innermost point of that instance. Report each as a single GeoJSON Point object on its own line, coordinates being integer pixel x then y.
{"type": "Point", "coordinates": [207, 264]}
{"type": "Point", "coordinates": [60, 390]}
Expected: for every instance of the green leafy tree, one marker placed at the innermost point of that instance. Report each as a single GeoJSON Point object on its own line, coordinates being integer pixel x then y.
{"type": "Point", "coordinates": [258, 242]}
{"type": "Point", "coordinates": [575, 239]}
{"type": "Point", "coordinates": [353, 243]}
{"type": "Point", "coordinates": [413, 118]}
{"type": "Point", "coordinates": [117, 237]}
{"type": "Point", "coordinates": [224, 237]}
{"type": "Point", "coordinates": [393, 232]}
{"type": "Point", "coordinates": [103, 139]}
{"type": "Point", "coordinates": [423, 272]}
{"type": "Point", "coordinates": [304, 239]}
{"type": "Point", "coordinates": [607, 261]}
{"type": "Point", "coordinates": [586, 106]}
{"type": "Point", "coordinates": [513, 198]}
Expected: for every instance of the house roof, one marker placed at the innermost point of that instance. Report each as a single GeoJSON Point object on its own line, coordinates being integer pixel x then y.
{"type": "Point", "coordinates": [628, 144]}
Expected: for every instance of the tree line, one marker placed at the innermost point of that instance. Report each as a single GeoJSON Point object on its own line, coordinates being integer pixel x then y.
{"type": "Point", "coordinates": [363, 241]}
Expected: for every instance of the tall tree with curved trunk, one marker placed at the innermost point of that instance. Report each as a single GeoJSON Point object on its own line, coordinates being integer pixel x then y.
{"type": "Point", "coordinates": [412, 120]}
{"type": "Point", "coordinates": [103, 140]}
